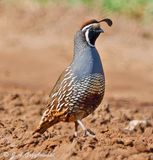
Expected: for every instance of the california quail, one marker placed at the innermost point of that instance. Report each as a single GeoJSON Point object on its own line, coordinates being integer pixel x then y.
{"type": "Point", "coordinates": [80, 88]}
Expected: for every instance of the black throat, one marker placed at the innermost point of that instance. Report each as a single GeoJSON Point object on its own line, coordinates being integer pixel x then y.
{"type": "Point", "coordinates": [92, 36]}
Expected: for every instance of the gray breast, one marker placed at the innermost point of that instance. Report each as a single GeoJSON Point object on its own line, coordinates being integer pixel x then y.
{"type": "Point", "coordinates": [87, 62]}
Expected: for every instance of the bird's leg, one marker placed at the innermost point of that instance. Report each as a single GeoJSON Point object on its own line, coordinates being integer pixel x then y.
{"type": "Point", "coordinates": [87, 132]}
{"type": "Point", "coordinates": [76, 129]}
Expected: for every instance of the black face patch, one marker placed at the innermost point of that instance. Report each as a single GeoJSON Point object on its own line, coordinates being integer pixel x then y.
{"type": "Point", "coordinates": [93, 35]}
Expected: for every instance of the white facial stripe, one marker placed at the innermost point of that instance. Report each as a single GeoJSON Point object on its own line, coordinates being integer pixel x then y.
{"type": "Point", "coordinates": [87, 38]}
{"type": "Point", "coordinates": [86, 27]}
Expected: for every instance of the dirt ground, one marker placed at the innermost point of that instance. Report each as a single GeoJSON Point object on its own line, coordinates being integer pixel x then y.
{"type": "Point", "coordinates": [36, 44]}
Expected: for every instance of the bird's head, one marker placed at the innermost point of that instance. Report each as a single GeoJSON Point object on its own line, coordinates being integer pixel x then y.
{"type": "Point", "coordinates": [91, 30]}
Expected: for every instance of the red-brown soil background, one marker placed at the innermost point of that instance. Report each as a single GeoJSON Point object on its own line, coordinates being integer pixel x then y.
{"type": "Point", "coordinates": [36, 44]}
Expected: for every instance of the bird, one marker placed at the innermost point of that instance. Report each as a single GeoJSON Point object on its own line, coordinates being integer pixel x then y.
{"type": "Point", "coordinates": [80, 88]}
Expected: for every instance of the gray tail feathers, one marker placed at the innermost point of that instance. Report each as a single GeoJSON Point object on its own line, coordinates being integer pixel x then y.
{"type": "Point", "coordinates": [45, 125]}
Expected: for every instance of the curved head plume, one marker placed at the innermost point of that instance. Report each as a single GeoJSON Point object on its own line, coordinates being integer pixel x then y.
{"type": "Point", "coordinates": [94, 21]}
{"type": "Point", "coordinates": [107, 20]}
{"type": "Point", "coordinates": [92, 29]}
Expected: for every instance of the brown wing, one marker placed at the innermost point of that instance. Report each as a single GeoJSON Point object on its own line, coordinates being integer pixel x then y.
{"type": "Point", "coordinates": [57, 84]}
{"type": "Point", "coordinates": [59, 96]}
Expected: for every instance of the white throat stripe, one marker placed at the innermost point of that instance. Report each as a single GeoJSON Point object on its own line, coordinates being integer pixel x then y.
{"type": "Point", "coordinates": [87, 38]}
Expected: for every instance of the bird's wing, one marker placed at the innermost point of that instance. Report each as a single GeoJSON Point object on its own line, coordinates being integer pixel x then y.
{"type": "Point", "coordinates": [59, 96]}
{"type": "Point", "coordinates": [58, 83]}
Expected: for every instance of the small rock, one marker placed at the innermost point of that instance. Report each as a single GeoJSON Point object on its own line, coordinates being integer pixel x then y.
{"type": "Point", "coordinates": [18, 103]}
{"type": "Point", "coordinates": [119, 141]}
{"type": "Point", "coordinates": [1, 108]}
{"type": "Point", "coordinates": [134, 123]}
{"type": "Point", "coordinates": [1, 124]}
{"type": "Point", "coordinates": [11, 97]}
{"type": "Point", "coordinates": [120, 157]}
{"type": "Point", "coordinates": [35, 100]}
{"type": "Point", "coordinates": [150, 147]}
{"type": "Point", "coordinates": [148, 132]}
{"type": "Point", "coordinates": [106, 108]}
{"type": "Point", "coordinates": [104, 129]}
{"type": "Point", "coordinates": [141, 146]}
{"type": "Point", "coordinates": [150, 157]}
{"type": "Point", "coordinates": [128, 142]}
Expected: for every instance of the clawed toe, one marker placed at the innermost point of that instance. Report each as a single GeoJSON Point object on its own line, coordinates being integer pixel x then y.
{"type": "Point", "coordinates": [90, 133]}
{"type": "Point", "coordinates": [43, 136]}
{"type": "Point", "coordinates": [48, 134]}
{"type": "Point", "coordinates": [75, 134]}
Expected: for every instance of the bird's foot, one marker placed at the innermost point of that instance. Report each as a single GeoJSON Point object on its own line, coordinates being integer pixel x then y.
{"type": "Point", "coordinates": [44, 136]}
{"type": "Point", "coordinates": [48, 134]}
{"type": "Point", "coordinates": [36, 135]}
{"type": "Point", "coordinates": [90, 133]}
{"type": "Point", "coordinates": [75, 134]}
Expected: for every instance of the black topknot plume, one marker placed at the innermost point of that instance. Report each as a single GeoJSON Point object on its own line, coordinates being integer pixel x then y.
{"type": "Point", "coordinates": [107, 20]}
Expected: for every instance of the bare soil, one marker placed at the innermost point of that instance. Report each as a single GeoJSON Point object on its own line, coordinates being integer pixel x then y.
{"type": "Point", "coordinates": [36, 44]}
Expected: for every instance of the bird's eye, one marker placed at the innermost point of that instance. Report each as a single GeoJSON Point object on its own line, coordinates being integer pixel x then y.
{"type": "Point", "coordinates": [92, 30]}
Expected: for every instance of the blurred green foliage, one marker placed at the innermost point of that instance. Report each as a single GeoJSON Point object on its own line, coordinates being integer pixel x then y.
{"type": "Point", "coordinates": [134, 8]}
{"type": "Point", "coordinates": [44, 2]}
{"type": "Point", "coordinates": [140, 9]}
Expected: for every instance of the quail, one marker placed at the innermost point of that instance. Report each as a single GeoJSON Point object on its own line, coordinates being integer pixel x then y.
{"type": "Point", "coordinates": [80, 88]}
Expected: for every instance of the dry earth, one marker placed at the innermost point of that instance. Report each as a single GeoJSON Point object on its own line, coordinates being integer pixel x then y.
{"type": "Point", "coordinates": [36, 44]}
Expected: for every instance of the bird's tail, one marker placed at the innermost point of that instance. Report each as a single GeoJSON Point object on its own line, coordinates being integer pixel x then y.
{"type": "Point", "coordinates": [44, 126]}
